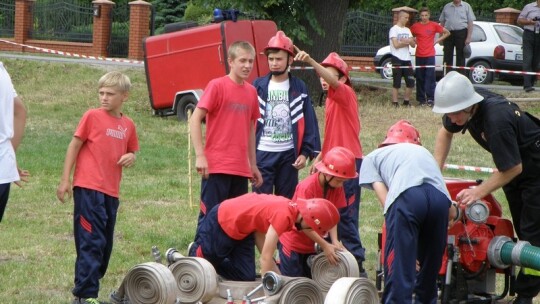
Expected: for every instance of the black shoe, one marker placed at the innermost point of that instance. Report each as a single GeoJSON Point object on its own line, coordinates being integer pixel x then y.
{"type": "Point", "coordinates": [395, 104]}
{"type": "Point", "coordinates": [521, 300]}
{"type": "Point", "coordinates": [528, 89]}
{"type": "Point", "coordinates": [406, 103]}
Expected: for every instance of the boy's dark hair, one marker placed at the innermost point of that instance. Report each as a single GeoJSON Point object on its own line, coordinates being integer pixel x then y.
{"type": "Point", "coordinates": [424, 9]}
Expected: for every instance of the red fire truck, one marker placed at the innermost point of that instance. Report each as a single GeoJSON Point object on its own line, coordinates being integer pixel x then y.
{"type": "Point", "coordinates": [180, 64]}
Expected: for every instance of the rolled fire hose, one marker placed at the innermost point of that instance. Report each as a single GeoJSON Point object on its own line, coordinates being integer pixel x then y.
{"type": "Point", "coordinates": [352, 290]}
{"type": "Point", "coordinates": [287, 290]}
{"type": "Point", "coordinates": [147, 283]}
{"type": "Point", "coordinates": [325, 274]}
{"type": "Point", "coordinates": [196, 279]}
{"type": "Point", "coordinates": [503, 252]}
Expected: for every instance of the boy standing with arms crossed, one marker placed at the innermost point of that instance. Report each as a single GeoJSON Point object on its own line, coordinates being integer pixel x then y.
{"type": "Point", "coordinates": [104, 142]}
{"type": "Point", "coordinates": [342, 128]}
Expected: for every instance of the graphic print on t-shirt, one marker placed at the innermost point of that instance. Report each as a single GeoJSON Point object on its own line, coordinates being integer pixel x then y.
{"type": "Point", "coordinates": [277, 133]}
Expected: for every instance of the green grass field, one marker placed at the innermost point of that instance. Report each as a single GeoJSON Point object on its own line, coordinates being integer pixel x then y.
{"type": "Point", "coordinates": [158, 195]}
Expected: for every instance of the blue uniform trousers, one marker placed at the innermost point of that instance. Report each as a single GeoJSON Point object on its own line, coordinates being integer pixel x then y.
{"type": "Point", "coordinates": [416, 229]}
{"type": "Point", "coordinates": [94, 219]}
{"type": "Point", "coordinates": [232, 259]}
{"type": "Point", "coordinates": [279, 175]}
{"type": "Point", "coordinates": [217, 188]}
{"type": "Point", "coordinates": [348, 223]}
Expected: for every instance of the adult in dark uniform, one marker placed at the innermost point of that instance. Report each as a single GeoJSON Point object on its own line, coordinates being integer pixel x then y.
{"type": "Point", "coordinates": [513, 139]}
{"type": "Point", "coordinates": [529, 18]}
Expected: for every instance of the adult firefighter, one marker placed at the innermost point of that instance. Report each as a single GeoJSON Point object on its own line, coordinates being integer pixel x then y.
{"type": "Point", "coordinates": [287, 133]}
{"type": "Point", "coordinates": [512, 136]}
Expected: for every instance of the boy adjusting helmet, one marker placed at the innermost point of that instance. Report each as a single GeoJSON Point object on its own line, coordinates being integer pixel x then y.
{"type": "Point", "coordinates": [401, 132]}
{"type": "Point", "coordinates": [333, 60]}
{"type": "Point", "coordinates": [338, 162]}
{"type": "Point", "coordinates": [319, 213]}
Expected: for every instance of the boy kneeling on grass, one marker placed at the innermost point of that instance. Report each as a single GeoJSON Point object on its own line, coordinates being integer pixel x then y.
{"type": "Point", "coordinates": [105, 141]}
{"type": "Point", "coordinates": [232, 228]}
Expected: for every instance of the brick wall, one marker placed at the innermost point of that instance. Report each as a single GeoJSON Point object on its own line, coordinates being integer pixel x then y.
{"type": "Point", "coordinates": [139, 28]}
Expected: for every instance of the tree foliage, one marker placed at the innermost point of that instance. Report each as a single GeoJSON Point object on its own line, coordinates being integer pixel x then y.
{"type": "Point", "coordinates": [168, 11]}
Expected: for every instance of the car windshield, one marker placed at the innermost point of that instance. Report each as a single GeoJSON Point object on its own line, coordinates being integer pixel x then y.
{"type": "Point", "coordinates": [509, 34]}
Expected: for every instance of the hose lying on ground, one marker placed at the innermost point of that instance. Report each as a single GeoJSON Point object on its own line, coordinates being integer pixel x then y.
{"type": "Point", "coordinates": [147, 283]}
{"type": "Point", "coordinates": [352, 290]}
{"type": "Point", "coordinates": [325, 274]}
{"type": "Point", "coordinates": [196, 279]}
{"type": "Point", "coordinates": [287, 290]}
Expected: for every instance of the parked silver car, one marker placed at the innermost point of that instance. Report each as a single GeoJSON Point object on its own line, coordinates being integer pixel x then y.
{"type": "Point", "coordinates": [493, 46]}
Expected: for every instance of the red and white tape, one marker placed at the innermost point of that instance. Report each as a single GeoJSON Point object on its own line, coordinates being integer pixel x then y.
{"type": "Point", "coordinates": [355, 68]}
{"type": "Point", "coordinates": [68, 54]}
{"type": "Point", "coordinates": [470, 168]}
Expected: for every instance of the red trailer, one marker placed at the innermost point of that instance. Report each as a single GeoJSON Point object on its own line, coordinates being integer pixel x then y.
{"type": "Point", "coordinates": [180, 64]}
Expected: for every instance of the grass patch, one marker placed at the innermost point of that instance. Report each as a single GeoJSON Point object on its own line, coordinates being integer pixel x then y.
{"type": "Point", "coordinates": [37, 249]}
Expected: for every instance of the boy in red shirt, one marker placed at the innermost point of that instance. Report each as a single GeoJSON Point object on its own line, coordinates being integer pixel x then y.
{"type": "Point", "coordinates": [105, 141]}
{"type": "Point", "coordinates": [230, 107]}
{"type": "Point", "coordinates": [425, 31]}
{"type": "Point", "coordinates": [341, 128]}
{"type": "Point", "coordinates": [225, 236]}
{"type": "Point", "coordinates": [295, 246]}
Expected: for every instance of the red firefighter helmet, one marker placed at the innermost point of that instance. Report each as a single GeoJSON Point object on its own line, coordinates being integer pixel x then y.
{"type": "Point", "coordinates": [280, 42]}
{"type": "Point", "coordinates": [333, 60]}
{"type": "Point", "coordinates": [338, 162]}
{"type": "Point", "coordinates": [401, 132]}
{"type": "Point", "coordinates": [319, 214]}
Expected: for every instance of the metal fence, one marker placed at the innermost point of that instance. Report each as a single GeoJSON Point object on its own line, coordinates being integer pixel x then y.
{"type": "Point", "coordinates": [62, 21]}
{"type": "Point", "coordinates": [7, 18]}
{"type": "Point", "coordinates": [365, 32]}
{"type": "Point", "coordinates": [119, 44]}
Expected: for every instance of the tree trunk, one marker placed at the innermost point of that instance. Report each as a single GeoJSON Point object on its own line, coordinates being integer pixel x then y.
{"type": "Point", "coordinates": [330, 14]}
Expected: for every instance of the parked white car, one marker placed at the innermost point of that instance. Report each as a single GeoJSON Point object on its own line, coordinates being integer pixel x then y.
{"type": "Point", "coordinates": [493, 46]}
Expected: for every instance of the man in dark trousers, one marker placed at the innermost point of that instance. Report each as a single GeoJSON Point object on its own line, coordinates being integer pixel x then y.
{"type": "Point", "coordinates": [512, 136]}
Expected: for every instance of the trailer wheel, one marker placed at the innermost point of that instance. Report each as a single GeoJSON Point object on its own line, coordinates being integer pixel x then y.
{"type": "Point", "coordinates": [187, 103]}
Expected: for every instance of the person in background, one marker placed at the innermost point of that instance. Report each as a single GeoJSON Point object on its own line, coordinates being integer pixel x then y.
{"type": "Point", "coordinates": [341, 129]}
{"type": "Point", "coordinates": [529, 18]}
{"type": "Point", "coordinates": [400, 40]}
{"type": "Point", "coordinates": [287, 132]}
{"type": "Point", "coordinates": [230, 108]}
{"type": "Point", "coordinates": [12, 123]}
{"type": "Point", "coordinates": [457, 17]}
{"type": "Point", "coordinates": [226, 236]}
{"type": "Point", "coordinates": [512, 136]}
{"type": "Point", "coordinates": [105, 142]}
{"type": "Point", "coordinates": [425, 31]}
{"type": "Point", "coordinates": [409, 186]}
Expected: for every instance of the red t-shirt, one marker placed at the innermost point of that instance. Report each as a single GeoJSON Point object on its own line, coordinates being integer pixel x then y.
{"type": "Point", "coordinates": [232, 110]}
{"type": "Point", "coordinates": [309, 188]}
{"type": "Point", "coordinates": [425, 37]}
{"type": "Point", "coordinates": [342, 123]}
{"type": "Point", "coordinates": [105, 139]}
{"type": "Point", "coordinates": [248, 213]}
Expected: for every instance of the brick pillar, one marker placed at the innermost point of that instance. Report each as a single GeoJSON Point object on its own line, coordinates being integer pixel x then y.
{"type": "Point", "coordinates": [23, 21]}
{"type": "Point", "coordinates": [102, 27]}
{"type": "Point", "coordinates": [412, 14]}
{"type": "Point", "coordinates": [139, 27]}
{"type": "Point", "coordinates": [507, 15]}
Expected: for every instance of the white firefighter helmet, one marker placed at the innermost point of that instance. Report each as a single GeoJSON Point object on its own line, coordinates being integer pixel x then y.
{"type": "Point", "coordinates": [454, 92]}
